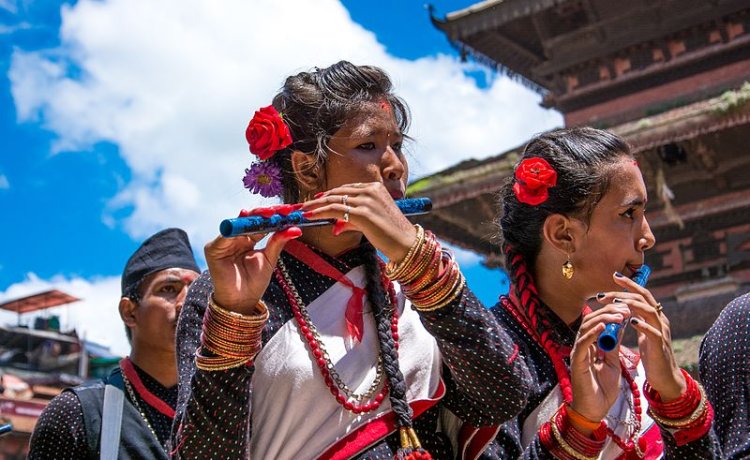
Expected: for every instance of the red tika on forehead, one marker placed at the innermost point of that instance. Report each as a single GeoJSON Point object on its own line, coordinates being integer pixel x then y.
{"type": "Point", "coordinates": [385, 105]}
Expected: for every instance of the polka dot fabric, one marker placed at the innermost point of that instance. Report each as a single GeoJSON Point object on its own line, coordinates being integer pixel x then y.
{"type": "Point", "coordinates": [60, 432]}
{"type": "Point", "coordinates": [725, 373]}
{"type": "Point", "coordinates": [485, 383]}
{"type": "Point", "coordinates": [507, 444]}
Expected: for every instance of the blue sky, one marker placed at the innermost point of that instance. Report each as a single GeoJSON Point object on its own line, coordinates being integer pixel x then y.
{"type": "Point", "coordinates": [121, 117]}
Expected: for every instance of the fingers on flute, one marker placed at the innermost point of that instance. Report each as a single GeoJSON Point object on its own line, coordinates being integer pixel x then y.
{"type": "Point", "coordinates": [645, 328]}
{"type": "Point", "coordinates": [633, 287]}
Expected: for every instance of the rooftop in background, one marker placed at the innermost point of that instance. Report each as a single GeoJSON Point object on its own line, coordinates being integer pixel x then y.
{"type": "Point", "coordinates": [606, 62]}
{"type": "Point", "coordinates": [40, 301]}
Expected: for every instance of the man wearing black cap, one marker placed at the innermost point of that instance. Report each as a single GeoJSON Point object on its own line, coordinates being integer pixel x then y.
{"type": "Point", "coordinates": [129, 414]}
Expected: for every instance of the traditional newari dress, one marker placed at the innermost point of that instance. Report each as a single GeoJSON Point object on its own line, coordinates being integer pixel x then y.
{"type": "Point", "coordinates": [725, 371]}
{"type": "Point", "coordinates": [461, 370]}
{"type": "Point", "coordinates": [520, 438]}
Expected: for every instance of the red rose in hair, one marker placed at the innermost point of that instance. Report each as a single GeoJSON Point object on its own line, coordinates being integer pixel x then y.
{"type": "Point", "coordinates": [533, 177]}
{"type": "Point", "coordinates": [267, 133]}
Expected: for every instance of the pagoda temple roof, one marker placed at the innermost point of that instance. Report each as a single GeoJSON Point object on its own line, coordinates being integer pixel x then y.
{"type": "Point", "coordinates": [722, 112]}
{"type": "Point", "coordinates": [469, 188]}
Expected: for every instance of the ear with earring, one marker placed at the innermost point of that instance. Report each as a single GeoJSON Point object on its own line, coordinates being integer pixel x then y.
{"type": "Point", "coordinates": [567, 268]}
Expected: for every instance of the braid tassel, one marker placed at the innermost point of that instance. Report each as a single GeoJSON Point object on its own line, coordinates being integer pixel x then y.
{"type": "Point", "coordinates": [411, 449]}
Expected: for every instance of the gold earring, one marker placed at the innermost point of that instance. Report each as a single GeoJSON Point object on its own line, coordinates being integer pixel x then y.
{"type": "Point", "coordinates": [567, 269]}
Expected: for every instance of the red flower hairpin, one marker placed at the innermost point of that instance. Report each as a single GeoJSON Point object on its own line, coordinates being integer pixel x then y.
{"type": "Point", "coordinates": [534, 176]}
{"type": "Point", "coordinates": [267, 133]}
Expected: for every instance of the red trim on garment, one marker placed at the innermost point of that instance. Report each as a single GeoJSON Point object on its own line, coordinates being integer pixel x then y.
{"type": "Point", "coordinates": [354, 308]}
{"type": "Point", "coordinates": [366, 435]}
{"type": "Point", "coordinates": [472, 441]}
{"type": "Point", "coordinates": [151, 399]}
{"type": "Point", "coordinates": [653, 442]}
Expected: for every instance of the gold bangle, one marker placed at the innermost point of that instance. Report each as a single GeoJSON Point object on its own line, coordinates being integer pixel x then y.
{"type": "Point", "coordinates": [393, 270]}
{"type": "Point", "coordinates": [685, 421]}
{"type": "Point", "coordinates": [567, 447]}
{"type": "Point", "coordinates": [440, 302]}
{"type": "Point", "coordinates": [233, 316]}
{"type": "Point", "coordinates": [218, 363]}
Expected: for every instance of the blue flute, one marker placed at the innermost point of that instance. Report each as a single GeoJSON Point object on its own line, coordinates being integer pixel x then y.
{"type": "Point", "coordinates": [259, 224]}
{"type": "Point", "coordinates": [611, 334]}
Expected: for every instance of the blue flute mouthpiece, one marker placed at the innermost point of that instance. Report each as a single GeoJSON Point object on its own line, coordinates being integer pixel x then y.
{"type": "Point", "coordinates": [610, 336]}
{"type": "Point", "coordinates": [259, 224]}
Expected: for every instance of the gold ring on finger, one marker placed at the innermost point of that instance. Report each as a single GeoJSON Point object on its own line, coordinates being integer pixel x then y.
{"type": "Point", "coordinates": [658, 307]}
{"type": "Point", "coordinates": [346, 214]}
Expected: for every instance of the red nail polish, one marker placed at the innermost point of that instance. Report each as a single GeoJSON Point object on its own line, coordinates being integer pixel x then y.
{"type": "Point", "coordinates": [308, 214]}
{"type": "Point", "coordinates": [297, 207]}
{"type": "Point", "coordinates": [266, 212]}
{"type": "Point", "coordinates": [284, 209]}
{"type": "Point", "coordinates": [292, 232]}
{"type": "Point", "coordinates": [319, 194]}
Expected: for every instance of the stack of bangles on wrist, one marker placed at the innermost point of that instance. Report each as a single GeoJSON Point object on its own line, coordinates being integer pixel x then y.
{"type": "Point", "coordinates": [427, 282]}
{"type": "Point", "coordinates": [565, 442]}
{"type": "Point", "coordinates": [688, 417]}
{"type": "Point", "coordinates": [232, 338]}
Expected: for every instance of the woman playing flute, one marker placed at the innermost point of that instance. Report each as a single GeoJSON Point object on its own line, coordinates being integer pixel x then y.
{"type": "Point", "coordinates": [574, 230]}
{"type": "Point", "coordinates": [315, 348]}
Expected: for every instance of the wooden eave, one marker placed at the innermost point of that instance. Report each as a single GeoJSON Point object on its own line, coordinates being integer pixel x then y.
{"type": "Point", "coordinates": [464, 196]}
{"type": "Point", "coordinates": [652, 22]}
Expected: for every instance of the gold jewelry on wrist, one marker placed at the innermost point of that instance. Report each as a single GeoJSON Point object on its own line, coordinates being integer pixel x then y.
{"type": "Point", "coordinates": [232, 337]}
{"type": "Point", "coordinates": [567, 447]}
{"type": "Point", "coordinates": [677, 424]}
{"type": "Point", "coordinates": [394, 270]}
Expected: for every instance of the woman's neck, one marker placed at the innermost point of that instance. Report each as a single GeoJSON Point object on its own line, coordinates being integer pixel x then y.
{"type": "Point", "coordinates": [560, 297]}
{"type": "Point", "coordinates": [323, 239]}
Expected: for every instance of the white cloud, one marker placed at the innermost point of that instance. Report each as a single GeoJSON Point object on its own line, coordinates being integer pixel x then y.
{"type": "Point", "coordinates": [9, 6]}
{"type": "Point", "coordinates": [95, 317]}
{"type": "Point", "coordinates": [174, 82]}
{"type": "Point", "coordinates": [4, 184]}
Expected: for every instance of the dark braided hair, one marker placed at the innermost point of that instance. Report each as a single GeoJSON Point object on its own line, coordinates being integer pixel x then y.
{"type": "Point", "coordinates": [585, 160]}
{"type": "Point", "coordinates": [315, 105]}
{"type": "Point", "coordinates": [388, 352]}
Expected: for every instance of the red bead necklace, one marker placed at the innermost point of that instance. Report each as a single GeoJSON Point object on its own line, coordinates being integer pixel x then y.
{"type": "Point", "coordinates": [336, 386]}
{"type": "Point", "coordinates": [634, 447]}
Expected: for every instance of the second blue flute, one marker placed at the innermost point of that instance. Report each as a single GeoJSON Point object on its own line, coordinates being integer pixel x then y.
{"type": "Point", "coordinates": [610, 336]}
{"type": "Point", "coordinates": [259, 224]}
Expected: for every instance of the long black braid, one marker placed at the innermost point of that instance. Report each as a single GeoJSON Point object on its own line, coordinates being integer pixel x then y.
{"type": "Point", "coordinates": [388, 352]}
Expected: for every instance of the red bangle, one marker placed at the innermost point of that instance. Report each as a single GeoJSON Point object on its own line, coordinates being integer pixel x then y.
{"type": "Point", "coordinates": [587, 445]}
{"type": "Point", "coordinates": [678, 408]}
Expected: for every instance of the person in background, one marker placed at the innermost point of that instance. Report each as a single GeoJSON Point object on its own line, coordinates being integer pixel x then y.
{"type": "Point", "coordinates": [724, 366]}
{"type": "Point", "coordinates": [574, 231]}
{"type": "Point", "coordinates": [143, 389]}
{"type": "Point", "coordinates": [313, 347]}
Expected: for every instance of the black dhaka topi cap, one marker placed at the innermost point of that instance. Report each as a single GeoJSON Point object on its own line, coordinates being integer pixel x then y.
{"type": "Point", "coordinates": [169, 248]}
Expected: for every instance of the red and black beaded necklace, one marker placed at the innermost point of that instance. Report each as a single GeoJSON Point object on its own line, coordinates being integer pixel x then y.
{"type": "Point", "coordinates": [356, 403]}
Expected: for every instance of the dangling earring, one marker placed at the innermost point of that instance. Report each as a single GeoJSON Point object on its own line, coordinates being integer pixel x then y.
{"type": "Point", "coordinates": [567, 269]}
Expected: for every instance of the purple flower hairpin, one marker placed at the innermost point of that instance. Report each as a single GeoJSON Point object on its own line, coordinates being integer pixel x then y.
{"type": "Point", "coordinates": [263, 177]}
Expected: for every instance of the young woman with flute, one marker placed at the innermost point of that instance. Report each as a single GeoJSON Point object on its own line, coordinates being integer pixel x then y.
{"type": "Point", "coordinates": [574, 231]}
{"type": "Point", "coordinates": [314, 347]}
